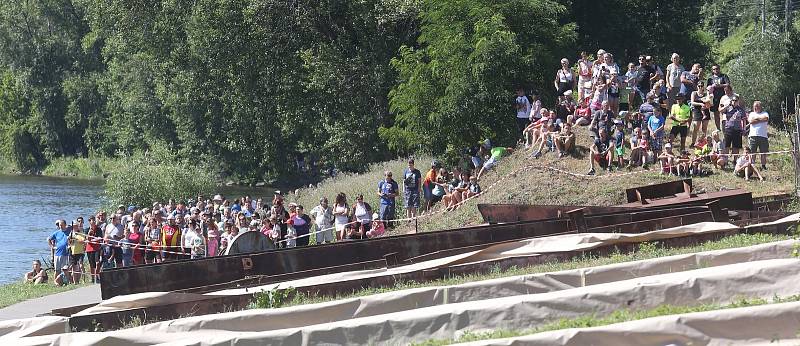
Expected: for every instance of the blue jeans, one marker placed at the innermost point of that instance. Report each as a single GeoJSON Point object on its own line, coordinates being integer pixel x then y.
{"type": "Point", "coordinates": [386, 212]}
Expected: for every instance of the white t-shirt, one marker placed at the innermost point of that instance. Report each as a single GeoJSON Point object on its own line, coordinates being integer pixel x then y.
{"type": "Point", "coordinates": [114, 232]}
{"type": "Point", "coordinates": [361, 213]}
{"type": "Point", "coordinates": [758, 129]}
{"type": "Point", "coordinates": [526, 109]}
{"type": "Point", "coordinates": [341, 219]}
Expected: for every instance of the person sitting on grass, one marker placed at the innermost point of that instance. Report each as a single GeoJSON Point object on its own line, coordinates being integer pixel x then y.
{"type": "Point", "coordinates": [37, 275]}
{"type": "Point", "coordinates": [745, 167]}
{"type": "Point", "coordinates": [63, 278]}
{"type": "Point", "coordinates": [496, 154]}
{"type": "Point", "coordinates": [458, 187]}
{"type": "Point", "coordinates": [583, 114]}
{"type": "Point", "coordinates": [601, 152]}
{"type": "Point", "coordinates": [534, 130]}
{"type": "Point", "coordinates": [565, 140]}
{"type": "Point", "coordinates": [668, 160]}
{"type": "Point", "coordinates": [546, 138]}
{"type": "Point", "coordinates": [473, 189]}
{"type": "Point", "coordinates": [684, 164]}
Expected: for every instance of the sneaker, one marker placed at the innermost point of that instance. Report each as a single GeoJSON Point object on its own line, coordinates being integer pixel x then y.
{"type": "Point", "coordinates": [763, 167]}
{"type": "Point", "coordinates": [591, 172]}
{"type": "Point", "coordinates": [608, 169]}
{"type": "Point", "coordinates": [537, 154]}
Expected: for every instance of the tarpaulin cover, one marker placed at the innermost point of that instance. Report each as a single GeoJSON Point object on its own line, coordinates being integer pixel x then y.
{"type": "Point", "coordinates": [714, 284]}
{"type": "Point", "coordinates": [772, 324]}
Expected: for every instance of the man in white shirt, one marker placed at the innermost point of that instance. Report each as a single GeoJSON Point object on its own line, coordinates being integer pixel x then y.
{"type": "Point", "coordinates": [523, 107]}
{"type": "Point", "coordinates": [758, 138]}
{"type": "Point", "coordinates": [725, 101]}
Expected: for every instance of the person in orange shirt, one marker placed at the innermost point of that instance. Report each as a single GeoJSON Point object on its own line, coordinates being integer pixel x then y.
{"type": "Point", "coordinates": [427, 185]}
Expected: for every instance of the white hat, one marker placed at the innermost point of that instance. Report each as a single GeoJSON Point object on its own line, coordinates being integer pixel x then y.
{"type": "Point", "coordinates": [600, 52]}
{"type": "Point", "coordinates": [217, 197]}
{"type": "Point", "coordinates": [568, 93]}
{"type": "Point", "coordinates": [374, 216]}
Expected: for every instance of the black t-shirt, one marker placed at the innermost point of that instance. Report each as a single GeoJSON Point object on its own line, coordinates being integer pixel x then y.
{"type": "Point", "coordinates": [602, 145]}
{"type": "Point", "coordinates": [646, 72]}
{"type": "Point", "coordinates": [721, 79]}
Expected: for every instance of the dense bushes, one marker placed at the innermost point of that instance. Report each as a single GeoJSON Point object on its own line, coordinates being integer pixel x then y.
{"type": "Point", "coordinates": [144, 178]}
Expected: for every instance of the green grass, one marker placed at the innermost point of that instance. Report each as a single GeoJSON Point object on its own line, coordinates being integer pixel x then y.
{"type": "Point", "coordinates": [618, 316]}
{"type": "Point", "coordinates": [645, 251]}
{"type": "Point", "coordinates": [541, 186]}
{"type": "Point", "coordinates": [80, 167]}
{"type": "Point", "coordinates": [16, 292]}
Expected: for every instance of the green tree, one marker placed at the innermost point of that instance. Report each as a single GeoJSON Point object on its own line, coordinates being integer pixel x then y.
{"type": "Point", "coordinates": [457, 86]}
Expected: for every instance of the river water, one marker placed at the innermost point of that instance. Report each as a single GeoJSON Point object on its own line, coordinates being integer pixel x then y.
{"type": "Point", "coordinates": [29, 207]}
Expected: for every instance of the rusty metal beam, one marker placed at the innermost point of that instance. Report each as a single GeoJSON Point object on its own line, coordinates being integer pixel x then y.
{"type": "Point", "coordinates": [218, 304]}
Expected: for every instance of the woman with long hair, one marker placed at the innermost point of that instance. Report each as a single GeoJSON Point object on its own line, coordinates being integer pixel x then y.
{"type": "Point", "coordinates": [341, 212]}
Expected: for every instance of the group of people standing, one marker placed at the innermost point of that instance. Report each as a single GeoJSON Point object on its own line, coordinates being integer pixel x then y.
{"type": "Point", "coordinates": [663, 107]}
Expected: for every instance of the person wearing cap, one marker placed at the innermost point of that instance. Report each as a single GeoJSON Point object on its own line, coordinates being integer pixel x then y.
{"type": "Point", "coordinates": [171, 239]}
{"type": "Point", "coordinates": [387, 191]}
{"type": "Point", "coordinates": [735, 117]}
{"type": "Point", "coordinates": [565, 78]}
{"type": "Point", "coordinates": [63, 278]}
{"type": "Point", "coordinates": [680, 114]}
{"type": "Point", "coordinates": [411, 181]}
{"type": "Point", "coordinates": [377, 229]}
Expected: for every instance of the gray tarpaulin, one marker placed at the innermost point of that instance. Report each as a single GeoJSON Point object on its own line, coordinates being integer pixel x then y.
{"type": "Point", "coordinates": [714, 284]}
{"type": "Point", "coordinates": [772, 324]}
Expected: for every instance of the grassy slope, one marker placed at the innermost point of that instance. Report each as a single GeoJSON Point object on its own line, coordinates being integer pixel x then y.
{"type": "Point", "coordinates": [537, 186]}
{"type": "Point", "coordinates": [20, 291]}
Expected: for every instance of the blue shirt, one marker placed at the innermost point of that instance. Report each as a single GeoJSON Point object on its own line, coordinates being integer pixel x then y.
{"type": "Point", "coordinates": [654, 123]}
{"type": "Point", "coordinates": [61, 239]}
{"type": "Point", "coordinates": [385, 188]}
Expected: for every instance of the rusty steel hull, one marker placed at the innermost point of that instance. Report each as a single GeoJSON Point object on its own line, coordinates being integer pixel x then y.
{"type": "Point", "coordinates": [227, 303]}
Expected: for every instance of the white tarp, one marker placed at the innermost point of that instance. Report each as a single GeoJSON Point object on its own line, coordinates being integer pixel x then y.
{"type": "Point", "coordinates": [772, 324]}
{"type": "Point", "coordinates": [715, 284]}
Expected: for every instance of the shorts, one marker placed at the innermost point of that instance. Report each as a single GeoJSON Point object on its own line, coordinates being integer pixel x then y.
{"type": "Point", "coordinates": [386, 212]}
{"type": "Point", "coordinates": [412, 199]}
{"type": "Point", "coordinates": [150, 256]}
{"type": "Point", "coordinates": [700, 115]}
{"type": "Point", "coordinates": [657, 144]}
{"type": "Point", "coordinates": [733, 139]}
{"type": "Point", "coordinates": [59, 262]}
{"type": "Point", "coordinates": [758, 144]}
{"type": "Point", "coordinates": [620, 151]}
{"type": "Point", "coordinates": [76, 259]}
{"type": "Point", "coordinates": [683, 131]}
{"type": "Point", "coordinates": [491, 162]}
{"type": "Point", "coordinates": [602, 159]}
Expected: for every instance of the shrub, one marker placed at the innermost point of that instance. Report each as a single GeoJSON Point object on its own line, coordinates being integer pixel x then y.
{"type": "Point", "coordinates": [144, 178]}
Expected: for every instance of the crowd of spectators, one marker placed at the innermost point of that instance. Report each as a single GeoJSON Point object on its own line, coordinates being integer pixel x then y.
{"type": "Point", "coordinates": [664, 107]}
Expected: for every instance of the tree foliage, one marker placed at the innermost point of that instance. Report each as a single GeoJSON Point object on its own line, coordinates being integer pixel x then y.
{"type": "Point", "coordinates": [455, 87]}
